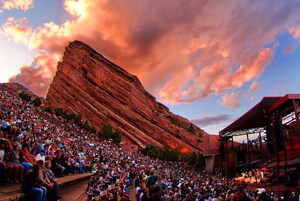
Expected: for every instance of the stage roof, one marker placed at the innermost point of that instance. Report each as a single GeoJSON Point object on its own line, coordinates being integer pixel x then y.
{"type": "Point", "coordinates": [255, 117]}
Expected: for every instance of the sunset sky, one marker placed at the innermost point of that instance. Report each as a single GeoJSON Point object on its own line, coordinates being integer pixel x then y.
{"type": "Point", "coordinates": [207, 60]}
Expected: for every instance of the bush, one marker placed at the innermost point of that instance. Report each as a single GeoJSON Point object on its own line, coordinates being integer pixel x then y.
{"type": "Point", "coordinates": [37, 102]}
{"type": "Point", "coordinates": [173, 155]}
{"type": "Point", "coordinates": [106, 131]}
{"type": "Point", "coordinates": [200, 161]}
{"type": "Point", "coordinates": [72, 116]}
{"type": "Point", "coordinates": [78, 119]}
{"type": "Point", "coordinates": [59, 111]}
{"type": "Point", "coordinates": [93, 129]}
{"type": "Point", "coordinates": [47, 109]}
{"type": "Point", "coordinates": [151, 150]}
{"type": "Point", "coordinates": [25, 97]}
{"type": "Point", "coordinates": [116, 136]}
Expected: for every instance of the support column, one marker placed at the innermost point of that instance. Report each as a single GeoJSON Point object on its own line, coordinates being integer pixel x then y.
{"type": "Point", "coordinates": [260, 146]}
{"type": "Point", "coordinates": [248, 149]}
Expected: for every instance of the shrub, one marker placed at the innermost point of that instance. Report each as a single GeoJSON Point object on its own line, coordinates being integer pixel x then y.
{"type": "Point", "coordinates": [47, 109]}
{"type": "Point", "coordinates": [59, 111]}
{"type": "Point", "coordinates": [106, 131]}
{"type": "Point", "coordinates": [78, 119]}
{"type": "Point", "coordinates": [151, 150]}
{"type": "Point", "coordinates": [37, 102]}
{"type": "Point", "coordinates": [72, 116]}
{"type": "Point", "coordinates": [116, 136]}
{"type": "Point", "coordinates": [25, 97]}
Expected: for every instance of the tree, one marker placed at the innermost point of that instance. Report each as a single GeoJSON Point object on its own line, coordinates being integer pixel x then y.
{"type": "Point", "coordinates": [25, 96]}
{"type": "Point", "coordinates": [200, 162]}
{"type": "Point", "coordinates": [37, 102]}
{"type": "Point", "coordinates": [86, 126]}
{"type": "Point", "coordinates": [71, 116]}
{"type": "Point", "coordinates": [78, 119]}
{"type": "Point", "coordinates": [173, 155]}
{"type": "Point", "coordinates": [47, 109]}
{"type": "Point", "coordinates": [193, 158]}
{"type": "Point", "coordinates": [93, 129]}
{"type": "Point", "coordinates": [152, 150]}
{"type": "Point", "coordinates": [106, 131]}
{"type": "Point", "coordinates": [116, 136]}
{"type": "Point", "coordinates": [185, 158]}
{"type": "Point", "coordinates": [59, 111]}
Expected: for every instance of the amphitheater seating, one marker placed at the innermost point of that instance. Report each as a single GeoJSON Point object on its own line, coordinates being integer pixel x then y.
{"type": "Point", "coordinates": [12, 191]}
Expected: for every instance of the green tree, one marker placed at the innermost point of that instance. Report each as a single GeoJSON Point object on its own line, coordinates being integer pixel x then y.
{"type": "Point", "coordinates": [78, 119]}
{"type": "Point", "coordinates": [86, 126]}
{"type": "Point", "coordinates": [59, 111]}
{"type": "Point", "coordinates": [71, 116]}
{"type": "Point", "coordinates": [185, 158]}
{"type": "Point", "coordinates": [173, 155]}
{"type": "Point", "coordinates": [93, 129]}
{"type": "Point", "coordinates": [37, 102]}
{"type": "Point", "coordinates": [200, 162]}
{"type": "Point", "coordinates": [47, 109]}
{"type": "Point", "coordinates": [152, 150]}
{"type": "Point", "coordinates": [116, 136]}
{"type": "Point", "coordinates": [106, 131]}
{"type": "Point", "coordinates": [193, 158]}
{"type": "Point", "coordinates": [25, 97]}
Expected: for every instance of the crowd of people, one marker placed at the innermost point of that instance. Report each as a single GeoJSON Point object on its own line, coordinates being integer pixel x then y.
{"type": "Point", "coordinates": [35, 149]}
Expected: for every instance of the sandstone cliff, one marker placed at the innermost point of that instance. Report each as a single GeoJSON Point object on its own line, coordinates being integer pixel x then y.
{"type": "Point", "coordinates": [104, 93]}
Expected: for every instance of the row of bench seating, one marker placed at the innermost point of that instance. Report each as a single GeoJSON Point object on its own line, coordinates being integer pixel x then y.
{"type": "Point", "coordinates": [13, 192]}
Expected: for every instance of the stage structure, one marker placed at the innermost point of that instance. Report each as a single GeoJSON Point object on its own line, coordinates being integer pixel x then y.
{"type": "Point", "coordinates": [275, 123]}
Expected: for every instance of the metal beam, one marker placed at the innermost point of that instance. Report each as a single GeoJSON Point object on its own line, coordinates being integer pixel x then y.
{"type": "Point", "coordinates": [242, 132]}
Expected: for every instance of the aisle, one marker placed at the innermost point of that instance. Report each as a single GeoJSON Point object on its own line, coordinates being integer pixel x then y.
{"type": "Point", "coordinates": [74, 191]}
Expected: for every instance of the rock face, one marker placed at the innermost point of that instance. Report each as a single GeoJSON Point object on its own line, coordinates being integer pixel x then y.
{"type": "Point", "coordinates": [104, 93]}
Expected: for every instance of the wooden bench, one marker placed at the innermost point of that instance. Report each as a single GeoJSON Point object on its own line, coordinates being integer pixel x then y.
{"type": "Point", "coordinates": [13, 192]}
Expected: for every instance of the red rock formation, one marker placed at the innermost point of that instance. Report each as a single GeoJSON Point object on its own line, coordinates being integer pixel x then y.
{"type": "Point", "coordinates": [104, 93]}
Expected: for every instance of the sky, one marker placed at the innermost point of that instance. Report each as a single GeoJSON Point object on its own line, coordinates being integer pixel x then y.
{"type": "Point", "coordinates": [209, 61]}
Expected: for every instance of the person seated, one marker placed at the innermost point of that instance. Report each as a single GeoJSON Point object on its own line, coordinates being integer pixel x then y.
{"type": "Point", "coordinates": [3, 171]}
{"type": "Point", "coordinates": [47, 177]}
{"type": "Point", "coordinates": [26, 156]}
{"type": "Point", "coordinates": [12, 159]}
{"type": "Point", "coordinates": [31, 185]}
{"type": "Point", "coordinates": [15, 172]}
{"type": "Point", "coordinates": [56, 165]}
{"type": "Point", "coordinates": [40, 156]}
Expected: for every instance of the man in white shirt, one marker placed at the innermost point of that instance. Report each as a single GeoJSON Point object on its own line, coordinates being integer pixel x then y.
{"type": "Point", "coordinates": [40, 156]}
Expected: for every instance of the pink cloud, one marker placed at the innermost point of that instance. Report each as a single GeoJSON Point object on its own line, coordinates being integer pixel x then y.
{"type": "Point", "coordinates": [230, 99]}
{"type": "Point", "coordinates": [295, 31]}
{"type": "Point", "coordinates": [253, 87]}
{"type": "Point", "coordinates": [180, 50]}
{"type": "Point", "coordinates": [289, 49]}
{"type": "Point", "coordinates": [17, 4]}
{"type": "Point", "coordinates": [18, 31]}
{"type": "Point", "coordinates": [38, 76]}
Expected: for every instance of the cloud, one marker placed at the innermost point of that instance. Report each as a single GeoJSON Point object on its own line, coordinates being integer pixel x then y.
{"type": "Point", "coordinates": [38, 76]}
{"type": "Point", "coordinates": [295, 31]}
{"type": "Point", "coordinates": [180, 50]}
{"type": "Point", "coordinates": [206, 121]}
{"type": "Point", "coordinates": [289, 49]}
{"type": "Point", "coordinates": [230, 99]}
{"type": "Point", "coordinates": [18, 31]}
{"type": "Point", "coordinates": [253, 87]}
{"type": "Point", "coordinates": [17, 4]}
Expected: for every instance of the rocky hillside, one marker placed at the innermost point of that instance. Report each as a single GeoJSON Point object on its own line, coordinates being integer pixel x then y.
{"type": "Point", "coordinates": [104, 93]}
